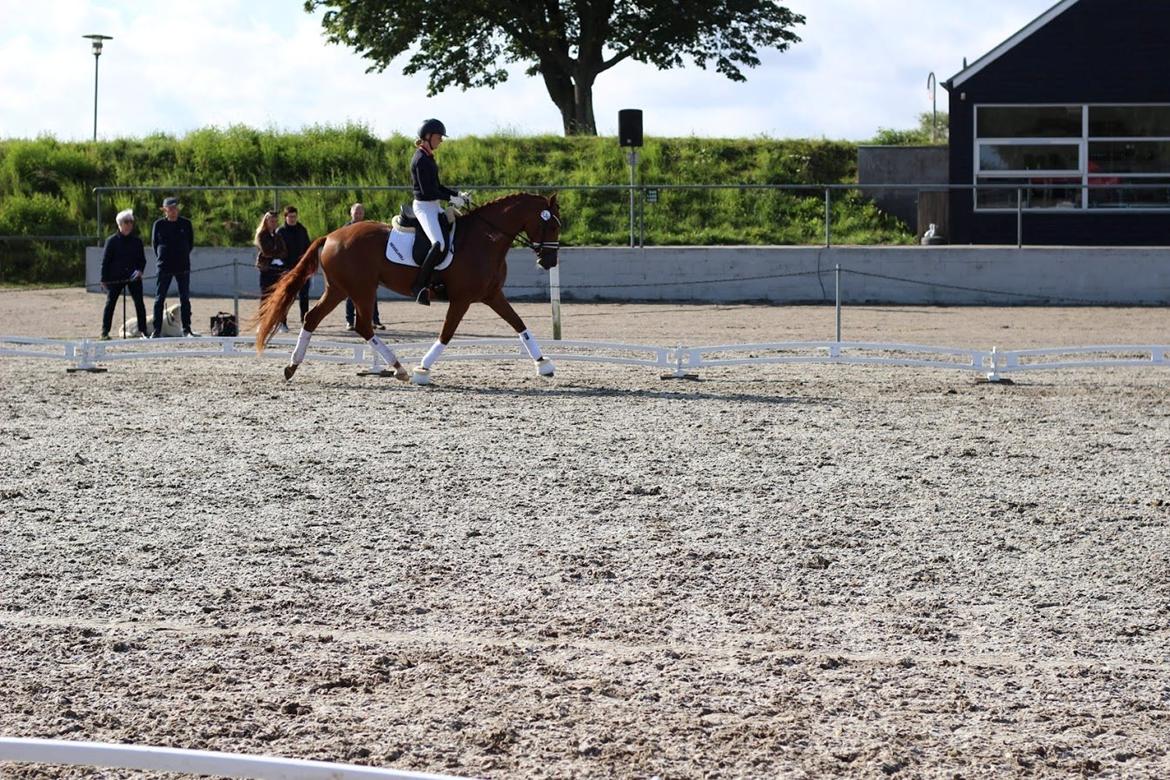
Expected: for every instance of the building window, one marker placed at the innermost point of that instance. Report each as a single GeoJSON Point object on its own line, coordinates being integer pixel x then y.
{"type": "Point", "coordinates": [1029, 122]}
{"type": "Point", "coordinates": [1072, 157]}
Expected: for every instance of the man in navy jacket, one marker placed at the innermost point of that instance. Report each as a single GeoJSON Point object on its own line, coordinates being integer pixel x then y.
{"type": "Point", "coordinates": [173, 238]}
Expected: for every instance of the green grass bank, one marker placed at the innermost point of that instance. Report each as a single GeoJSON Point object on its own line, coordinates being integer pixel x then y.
{"type": "Point", "coordinates": [46, 187]}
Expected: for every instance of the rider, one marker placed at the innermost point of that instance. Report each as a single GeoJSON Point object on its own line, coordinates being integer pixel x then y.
{"type": "Point", "coordinates": [428, 190]}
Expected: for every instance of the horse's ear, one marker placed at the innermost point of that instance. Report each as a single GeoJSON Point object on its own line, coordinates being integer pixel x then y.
{"type": "Point", "coordinates": [552, 201]}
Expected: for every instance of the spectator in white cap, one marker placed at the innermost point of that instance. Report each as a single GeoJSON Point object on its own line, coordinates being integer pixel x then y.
{"type": "Point", "coordinates": [123, 262]}
{"type": "Point", "coordinates": [173, 238]}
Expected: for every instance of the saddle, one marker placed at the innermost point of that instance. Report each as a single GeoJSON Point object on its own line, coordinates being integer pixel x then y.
{"type": "Point", "coordinates": [407, 222]}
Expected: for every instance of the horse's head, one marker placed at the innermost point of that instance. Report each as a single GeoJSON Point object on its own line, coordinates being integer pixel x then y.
{"type": "Point", "coordinates": [543, 226]}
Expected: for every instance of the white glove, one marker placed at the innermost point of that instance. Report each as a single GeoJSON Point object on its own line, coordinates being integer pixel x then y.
{"type": "Point", "coordinates": [277, 262]}
{"type": "Point", "coordinates": [462, 200]}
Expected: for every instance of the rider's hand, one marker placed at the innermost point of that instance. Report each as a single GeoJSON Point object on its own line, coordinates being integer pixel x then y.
{"type": "Point", "coordinates": [462, 200]}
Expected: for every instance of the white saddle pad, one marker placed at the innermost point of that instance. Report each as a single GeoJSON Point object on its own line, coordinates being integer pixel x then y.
{"type": "Point", "coordinates": [400, 248]}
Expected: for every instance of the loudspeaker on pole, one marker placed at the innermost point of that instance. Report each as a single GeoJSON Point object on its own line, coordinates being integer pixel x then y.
{"type": "Point", "coordinates": [630, 127]}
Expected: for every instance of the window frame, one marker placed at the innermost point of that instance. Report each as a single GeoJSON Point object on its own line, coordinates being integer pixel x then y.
{"type": "Point", "coordinates": [1078, 178]}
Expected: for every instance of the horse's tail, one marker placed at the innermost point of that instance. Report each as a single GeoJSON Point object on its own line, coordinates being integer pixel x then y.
{"type": "Point", "coordinates": [275, 305]}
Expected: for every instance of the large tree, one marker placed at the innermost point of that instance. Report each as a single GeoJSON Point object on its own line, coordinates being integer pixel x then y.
{"type": "Point", "coordinates": [568, 43]}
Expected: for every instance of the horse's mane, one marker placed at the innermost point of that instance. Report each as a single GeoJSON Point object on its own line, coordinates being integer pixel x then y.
{"type": "Point", "coordinates": [508, 197]}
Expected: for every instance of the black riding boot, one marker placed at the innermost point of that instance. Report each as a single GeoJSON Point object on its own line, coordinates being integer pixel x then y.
{"type": "Point", "coordinates": [421, 287]}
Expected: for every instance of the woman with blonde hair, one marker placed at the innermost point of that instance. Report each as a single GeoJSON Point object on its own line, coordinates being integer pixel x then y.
{"type": "Point", "coordinates": [270, 256]}
{"type": "Point", "coordinates": [428, 191]}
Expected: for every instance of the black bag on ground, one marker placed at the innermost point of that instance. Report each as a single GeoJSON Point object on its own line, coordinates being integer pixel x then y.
{"type": "Point", "coordinates": [224, 324]}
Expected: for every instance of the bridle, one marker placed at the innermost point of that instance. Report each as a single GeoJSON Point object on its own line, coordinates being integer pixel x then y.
{"type": "Point", "coordinates": [541, 247]}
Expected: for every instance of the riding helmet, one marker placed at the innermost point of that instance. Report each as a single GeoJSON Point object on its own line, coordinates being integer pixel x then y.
{"type": "Point", "coordinates": [430, 126]}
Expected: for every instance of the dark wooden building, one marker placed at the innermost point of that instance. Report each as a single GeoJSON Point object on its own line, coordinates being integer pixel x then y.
{"type": "Point", "coordinates": [1069, 117]}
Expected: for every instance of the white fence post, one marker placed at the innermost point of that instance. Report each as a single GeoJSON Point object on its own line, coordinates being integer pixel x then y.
{"type": "Point", "coordinates": [554, 296]}
{"type": "Point", "coordinates": [838, 313]}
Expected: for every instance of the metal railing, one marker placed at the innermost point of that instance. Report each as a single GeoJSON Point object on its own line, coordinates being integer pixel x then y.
{"type": "Point", "coordinates": [656, 205]}
{"type": "Point", "coordinates": [649, 197]}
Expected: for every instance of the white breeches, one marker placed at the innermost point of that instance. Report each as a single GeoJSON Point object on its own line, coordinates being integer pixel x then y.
{"type": "Point", "coordinates": [428, 212]}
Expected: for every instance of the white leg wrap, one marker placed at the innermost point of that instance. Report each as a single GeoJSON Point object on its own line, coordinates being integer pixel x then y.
{"type": "Point", "coordinates": [383, 350]}
{"type": "Point", "coordinates": [298, 355]}
{"type": "Point", "coordinates": [433, 354]}
{"type": "Point", "coordinates": [530, 345]}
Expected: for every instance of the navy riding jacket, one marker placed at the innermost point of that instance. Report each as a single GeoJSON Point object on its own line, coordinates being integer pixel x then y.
{"type": "Point", "coordinates": [173, 242]}
{"type": "Point", "coordinates": [424, 178]}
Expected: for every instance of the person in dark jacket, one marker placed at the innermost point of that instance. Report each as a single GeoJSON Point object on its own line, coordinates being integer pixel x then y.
{"type": "Point", "coordinates": [123, 262]}
{"type": "Point", "coordinates": [173, 238]}
{"type": "Point", "coordinates": [428, 190]}
{"type": "Point", "coordinates": [296, 241]}
{"type": "Point", "coordinates": [357, 213]}
{"type": "Point", "coordinates": [270, 256]}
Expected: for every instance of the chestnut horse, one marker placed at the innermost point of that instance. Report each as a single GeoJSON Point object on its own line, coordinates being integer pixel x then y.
{"type": "Point", "coordinates": [353, 260]}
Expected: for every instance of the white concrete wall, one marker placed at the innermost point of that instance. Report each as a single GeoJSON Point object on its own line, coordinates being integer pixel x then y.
{"type": "Point", "coordinates": [989, 275]}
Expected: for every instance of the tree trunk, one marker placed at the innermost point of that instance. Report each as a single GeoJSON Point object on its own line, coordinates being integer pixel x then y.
{"type": "Point", "coordinates": [574, 99]}
{"type": "Point", "coordinates": [583, 122]}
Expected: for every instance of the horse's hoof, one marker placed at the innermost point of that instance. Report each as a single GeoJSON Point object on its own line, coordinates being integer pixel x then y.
{"type": "Point", "coordinates": [545, 367]}
{"type": "Point", "coordinates": [421, 376]}
{"type": "Point", "coordinates": [289, 371]}
{"type": "Point", "coordinates": [401, 374]}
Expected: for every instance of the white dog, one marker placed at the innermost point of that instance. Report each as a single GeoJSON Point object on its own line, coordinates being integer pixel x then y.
{"type": "Point", "coordinates": [171, 326]}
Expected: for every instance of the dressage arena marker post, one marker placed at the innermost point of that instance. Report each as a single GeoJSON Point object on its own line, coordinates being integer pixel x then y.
{"type": "Point", "coordinates": [680, 362]}
{"type": "Point", "coordinates": [192, 762]}
{"type": "Point", "coordinates": [554, 297]}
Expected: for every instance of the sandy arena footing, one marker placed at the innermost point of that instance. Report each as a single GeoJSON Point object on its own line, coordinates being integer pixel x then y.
{"type": "Point", "coordinates": [783, 571]}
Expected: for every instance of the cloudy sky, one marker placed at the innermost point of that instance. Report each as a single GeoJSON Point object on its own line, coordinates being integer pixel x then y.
{"type": "Point", "coordinates": [176, 66]}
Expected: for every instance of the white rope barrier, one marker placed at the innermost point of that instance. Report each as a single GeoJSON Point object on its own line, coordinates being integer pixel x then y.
{"type": "Point", "coordinates": [87, 354]}
{"type": "Point", "coordinates": [194, 762]}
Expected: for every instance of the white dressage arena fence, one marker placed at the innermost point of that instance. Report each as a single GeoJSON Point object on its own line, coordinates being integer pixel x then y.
{"type": "Point", "coordinates": [680, 361]}
{"type": "Point", "coordinates": [192, 762]}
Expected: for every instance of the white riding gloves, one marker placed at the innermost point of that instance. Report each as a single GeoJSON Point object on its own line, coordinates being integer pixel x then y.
{"type": "Point", "coordinates": [462, 200]}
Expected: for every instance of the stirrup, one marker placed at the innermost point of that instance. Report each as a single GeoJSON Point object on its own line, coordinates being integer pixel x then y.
{"type": "Point", "coordinates": [423, 297]}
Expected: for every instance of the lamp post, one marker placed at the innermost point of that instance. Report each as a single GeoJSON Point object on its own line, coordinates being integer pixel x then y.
{"type": "Point", "coordinates": [97, 52]}
{"type": "Point", "coordinates": [932, 88]}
